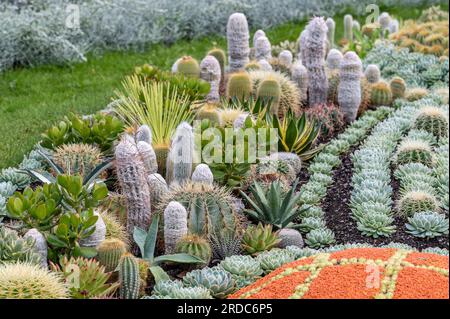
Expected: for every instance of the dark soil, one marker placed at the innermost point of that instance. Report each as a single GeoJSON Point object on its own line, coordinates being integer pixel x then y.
{"type": "Point", "coordinates": [337, 214]}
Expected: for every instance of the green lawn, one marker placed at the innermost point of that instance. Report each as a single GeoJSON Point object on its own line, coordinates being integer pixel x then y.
{"type": "Point", "coordinates": [33, 99]}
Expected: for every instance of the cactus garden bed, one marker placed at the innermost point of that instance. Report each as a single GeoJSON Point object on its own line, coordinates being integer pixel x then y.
{"type": "Point", "coordinates": [306, 169]}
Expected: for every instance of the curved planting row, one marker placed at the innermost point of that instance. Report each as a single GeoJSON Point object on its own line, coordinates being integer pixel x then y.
{"type": "Point", "coordinates": [321, 171]}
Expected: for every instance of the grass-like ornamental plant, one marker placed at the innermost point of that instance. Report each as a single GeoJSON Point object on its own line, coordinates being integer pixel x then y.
{"type": "Point", "coordinates": [27, 281]}
{"type": "Point", "coordinates": [269, 207]}
{"type": "Point", "coordinates": [259, 238]}
{"type": "Point", "coordinates": [320, 237]}
{"type": "Point", "coordinates": [218, 281]}
{"type": "Point", "coordinates": [427, 225]}
{"type": "Point", "coordinates": [91, 280]}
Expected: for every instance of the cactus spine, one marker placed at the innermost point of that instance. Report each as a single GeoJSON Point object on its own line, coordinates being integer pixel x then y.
{"type": "Point", "coordinates": [313, 53]}
{"type": "Point", "coordinates": [299, 75]}
{"type": "Point", "coordinates": [270, 88]}
{"type": "Point", "coordinates": [181, 155]}
{"type": "Point", "coordinates": [189, 67]}
{"type": "Point", "coordinates": [372, 73]}
{"type": "Point", "coordinates": [398, 88]}
{"type": "Point", "coordinates": [129, 277]}
{"type": "Point", "coordinates": [238, 42]}
{"type": "Point", "coordinates": [263, 49]}
{"type": "Point", "coordinates": [331, 25]}
{"type": "Point", "coordinates": [349, 89]}
{"type": "Point", "coordinates": [348, 27]}
{"type": "Point", "coordinates": [109, 253]}
{"type": "Point", "coordinates": [381, 94]}
{"type": "Point", "coordinates": [210, 71]}
{"type": "Point", "coordinates": [202, 174]}
{"type": "Point", "coordinates": [175, 225]}
{"type": "Point", "coordinates": [131, 174]}
{"type": "Point", "coordinates": [334, 59]}
{"type": "Point", "coordinates": [40, 245]}
{"type": "Point", "coordinates": [239, 86]}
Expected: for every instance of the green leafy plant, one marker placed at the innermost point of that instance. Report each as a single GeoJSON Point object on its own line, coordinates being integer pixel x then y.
{"type": "Point", "coordinates": [270, 208]}
{"type": "Point", "coordinates": [146, 241]}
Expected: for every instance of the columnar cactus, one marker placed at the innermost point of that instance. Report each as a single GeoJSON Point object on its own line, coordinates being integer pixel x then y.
{"type": "Point", "coordinates": [334, 59]}
{"type": "Point", "coordinates": [263, 49]}
{"type": "Point", "coordinates": [313, 52]}
{"type": "Point", "coordinates": [210, 72]}
{"type": "Point", "coordinates": [356, 26]}
{"type": "Point", "coordinates": [238, 42]}
{"type": "Point", "coordinates": [202, 174]}
{"type": "Point", "coordinates": [257, 35]}
{"type": "Point", "coordinates": [285, 57]}
{"type": "Point", "coordinates": [131, 174]}
{"type": "Point", "coordinates": [189, 67]}
{"type": "Point", "coordinates": [349, 89]}
{"type": "Point", "coordinates": [348, 27]}
{"type": "Point", "coordinates": [144, 134]}
{"type": "Point", "coordinates": [270, 88]}
{"type": "Point", "coordinates": [129, 277]}
{"type": "Point", "coordinates": [109, 253]}
{"type": "Point", "coordinates": [381, 94]}
{"type": "Point", "coordinates": [40, 245]}
{"type": "Point", "coordinates": [331, 25]}
{"type": "Point", "coordinates": [158, 187]}
{"type": "Point", "coordinates": [221, 57]}
{"type": "Point", "coordinates": [398, 88]}
{"type": "Point", "coordinates": [97, 236]}
{"type": "Point", "coordinates": [239, 86]}
{"type": "Point", "coordinates": [265, 65]}
{"type": "Point", "coordinates": [299, 75]}
{"type": "Point", "coordinates": [148, 156]}
{"type": "Point", "coordinates": [393, 26]}
{"type": "Point", "coordinates": [181, 155]}
{"type": "Point", "coordinates": [175, 225]}
{"type": "Point", "coordinates": [384, 20]}
{"type": "Point", "coordinates": [372, 73]}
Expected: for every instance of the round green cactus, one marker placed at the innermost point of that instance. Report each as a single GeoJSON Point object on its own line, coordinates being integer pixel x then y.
{"type": "Point", "coordinates": [381, 94]}
{"type": "Point", "coordinates": [417, 201]}
{"type": "Point", "coordinates": [415, 94]}
{"type": "Point", "coordinates": [252, 65]}
{"type": "Point", "coordinates": [398, 88]}
{"type": "Point", "coordinates": [239, 86]}
{"type": "Point", "coordinates": [77, 158]}
{"type": "Point", "coordinates": [210, 112]}
{"type": "Point", "coordinates": [433, 120]}
{"type": "Point", "coordinates": [220, 55]}
{"type": "Point", "coordinates": [269, 88]}
{"type": "Point", "coordinates": [27, 281]}
{"type": "Point", "coordinates": [196, 246]}
{"type": "Point", "coordinates": [189, 67]}
{"type": "Point", "coordinates": [414, 151]}
{"type": "Point", "coordinates": [290, 237]}
{"type": "Point", "coordinates": [109, 253]}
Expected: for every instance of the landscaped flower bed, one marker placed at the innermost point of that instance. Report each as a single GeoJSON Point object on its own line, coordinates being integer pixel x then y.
{"type": "Point", "coordinates": [306, 170]}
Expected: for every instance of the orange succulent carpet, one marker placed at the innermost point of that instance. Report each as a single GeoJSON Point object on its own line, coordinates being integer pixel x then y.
{"type": "Point", "coordinates": [358, 273]}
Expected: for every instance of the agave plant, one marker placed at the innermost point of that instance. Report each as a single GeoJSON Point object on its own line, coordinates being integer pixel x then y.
{"type": "Point", "coordinates": [146, 241]}
{"type": "Point", "coordinates": [259, 238]}
{"type": "Point", "coordinates": [269, 207]}
{"type": "Point", "coordinates": [297, 135]}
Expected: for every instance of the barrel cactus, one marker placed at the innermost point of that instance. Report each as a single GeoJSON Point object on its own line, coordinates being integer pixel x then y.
{"type": "Point", "coordinates": [417, 201]}
{"type": "Point", "coordinates": [238, 42]}
{"type": "Point", "coordinates": [414, 151]}
{"type": "Point", "coordinates": [270, 89]}
{"type": "Point", "coordinates": [209, 111]}
{"type": "Point", "coordinates": [398, 87]}
{"type": "Point", "coordinates": [433, 120]}
{"type": "Point", "coordinates": [77, 158]}
{"type": "Point", "coordinates": [349, 89]}
{"type": "Point", "coordinates": [175, 225]}
{"type": "Point", "coordinates": [196, 246]}
{"type": "Point", "coordinates": [372, 73]}
{"type": "Point", "coordinates": [109, 253]}
{"type": "Point", "coordinates": [290, 237]}
{"type": "Point", "coordinates": [381, 94]}
{"type": "Point", "coordinates": [239, 86]}
{"type": "Point", "coordinates": [189, 67]}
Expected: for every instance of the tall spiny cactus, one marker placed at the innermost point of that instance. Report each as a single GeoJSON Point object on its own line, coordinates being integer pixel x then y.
{"type": "Point", "coordinates": [299, 75]}
{"type": "Point", "coordinates": [313, 53]}
{"type": "Point", "coordinates": [348, 27]}
{"type": "Point", "coordinates": [181, 155]}
{"type": "Point", "coordinates": [158, 187]}
{"type": "Point", "coordinates": [331, 25]}
{"type": "Point", "coordinates": [175, 225]}
{"type": "Point", "coordinates": [131, 174]}
{"type": "Point", "coordinates": [238, 42]}
{"type": "Point", "coordinates": [334, 59]}
{"type": "Point", "coordinates": [144, 134]}
{"type": "Point", "coordinates": [211, 73]}
{"type": "Point", "coordinates": [349, 90]}
{"type": "Point", "coordinates": [203, 174]}
{"type": "Point", "coordinates": [285, 57]}
{"type": "Point", "coordinates": [301, 45]}
{"type": "Point", "coordinates": [129, 277]}
{"type": "Point", "coordinates": [263, 49]}
{"type": "Point", "coordinates": [384, 20]}
{"type": "Point", "coordinates": [148, 157]}
{"type": "Point", "coordinates": [257, 35]}
{"type": "Point", "coordinates": [393, 26]}
{"type": "Point", "coordinates": [40, 245]}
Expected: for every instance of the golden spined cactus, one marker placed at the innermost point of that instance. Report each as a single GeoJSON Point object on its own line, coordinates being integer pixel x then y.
{"type": "Point", "coordinates": [239, 86]}
{"type": "Point", "coordinates": [189, 67]}
{"type": "Point", "coordinates": [398, 88]}
{"type": "Point", "coordinates": [77, 158]}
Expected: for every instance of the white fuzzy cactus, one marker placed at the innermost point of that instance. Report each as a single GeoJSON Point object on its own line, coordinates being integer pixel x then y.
{"type": "Point", "coordinates": [299, 75]}
{"type": "Point", "coordinates": [356, 25]}
{"type": "Point", "coordinates": [131, 174]}
{"type": "Point", "coordinates": [240, 121]}
{"type": "Point", "coordinates": [334, 59]}
{"type": "Point", "coordinates": [285, 57]}
{"type": "Point", "coordinates": [265, 65]}
{"type": "Point", "coordinates": [393, 26]}
{"type": "Point", "coordinates": [148, 156]}
{"type": "Point", "coordinates": [372, 73]}
{"type": "Point", "coordinates": [289, 158]}
{"type": "Point", "coordinates": [384, 19]}
{"type": "Point", "coordinates": [175, 225]}
{"type": "Point", "coordinates": [258, 34]}
{"type": "Point", "coordinates": [263, 49]}
{"type": "Point", "coordinates": [238, 42]}
{"type": "Point", "coordinates": [40, 245]}
{"type": "Point", "coordinates": [202, 174]}
{"type": "Point", "coordinates": [348, 27]}
{"type": "Point", "coordinates": [302, 44]}
{"type": "Point", "coordinates": [158, 187]}
{"type": "Point", "coordinates": [349, 89]}
{"type": "Point", "coordinates": [144, 134]}
{"type": "Point", "coordinates": [211, 73]}
{"type": "Point", "coordinates": [331, 29]}
{"type": "Point", "coordinates": [181, 155]}
{"type": "Point", "coordinates": [97, 236]}
{"type": "Point", "coordinates": [313, 58]}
